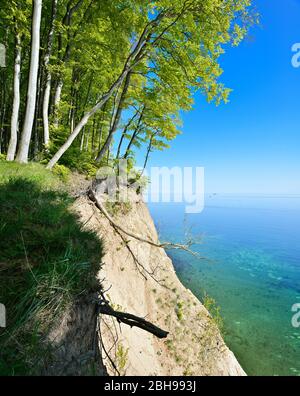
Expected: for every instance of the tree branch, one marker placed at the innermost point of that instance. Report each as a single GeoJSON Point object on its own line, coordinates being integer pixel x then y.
{"type": "Point", "coordinates": [166, 245]}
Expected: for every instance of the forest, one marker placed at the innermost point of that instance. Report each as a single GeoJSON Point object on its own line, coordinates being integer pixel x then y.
{"type": "Point", "coordinates": [89, 82]}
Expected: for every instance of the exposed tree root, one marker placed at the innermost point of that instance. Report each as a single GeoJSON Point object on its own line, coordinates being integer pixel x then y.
{"type": "Point", "coordinates": [129, 319]}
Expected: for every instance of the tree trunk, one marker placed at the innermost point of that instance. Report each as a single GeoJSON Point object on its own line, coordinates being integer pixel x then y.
{"type": "Point", "coordinates": [116, 120]}
{"type": "Point", "coordinates": [57, 98]}
{"type": "Point", "coordinates": [87, 139]}
{"type": "Point", "coordinates": [82, 139]}
{"type": "Point", "coordinates": [85, 119]}
{"type": "Point", "coordinates": [22, 155]}
{"type": "Point", "coordinates": [147, 155]}
{"type": "Point", "coordinates": [38, 108]}
{"type": "Point", "coordinates": [48, 75]}
{"type": "Point", "coordinates": [16, 103]}
{"type": "Point", "coordinates": [124, 133]}
{"type": "Point", "coordinates": [135, 133]}
{"type": "Point", "coordinates": [4, 106]}
{"type": "Point", "coordinates": [101, 128]}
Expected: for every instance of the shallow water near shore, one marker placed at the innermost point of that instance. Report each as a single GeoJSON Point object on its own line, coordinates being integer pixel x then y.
{"type": "Point", "coordinates": [251, 267]}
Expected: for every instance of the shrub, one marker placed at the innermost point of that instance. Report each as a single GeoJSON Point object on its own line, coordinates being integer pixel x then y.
{"type": "Point", "coordinates": [62, 171]}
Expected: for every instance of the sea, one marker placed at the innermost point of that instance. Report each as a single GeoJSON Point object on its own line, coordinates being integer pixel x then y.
{"type": "Point", "coordinates": [249, 262]}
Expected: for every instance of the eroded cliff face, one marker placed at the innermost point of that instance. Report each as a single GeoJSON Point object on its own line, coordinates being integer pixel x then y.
{"type": "Point", "coordinates": [140, 279]}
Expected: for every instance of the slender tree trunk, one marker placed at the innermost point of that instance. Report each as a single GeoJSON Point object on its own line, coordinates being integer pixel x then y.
{"type": "Point", "coordinates": [101, 129]}
{"type": "Point", "coordinates": [4, 106]}
{"type": "Point", "coordinates": [124, 133]}
{"type": "Point", "coordinates": [57, 99]}
{"type": "Point", "coordinates": [36, 124]}
{"type": "Point", "coordinates": [16, 103]}
{"type": "Point", "coordinates": [22, 155]}
{"type": "Point", "coordinates": [87, 139]}
{"type": "Point", "coordinates": [48, 75]}
{"type": "Point", "coordinates": [2, 124]}
{"type": "Point", "coordinates": [116, 119]}
{"type": "Point", "coordinates": [46, 109]}
{"type": "Point", "coordinates": [135, 133]}
{"type": "Point", "coordinates": [82, 139]}
{"type": "Point", "coordinates": [93, 137]}
{"type": "Point", "coordinates": [147, 155]}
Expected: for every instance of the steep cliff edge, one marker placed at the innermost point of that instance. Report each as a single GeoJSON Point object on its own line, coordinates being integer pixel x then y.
{"type": "Point", "coordinates": [140, 279]}
{"type": "Point", "coordinates": [51, 292]}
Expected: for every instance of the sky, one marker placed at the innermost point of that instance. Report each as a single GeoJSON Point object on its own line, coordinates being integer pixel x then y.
{"type": "Point", "coordinates": [252, 144]}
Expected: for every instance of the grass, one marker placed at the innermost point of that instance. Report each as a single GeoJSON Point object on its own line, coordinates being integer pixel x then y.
{"type": "Point", "coordinates": [46, 261]}
{"type": "Point", "coordinates": [116, 208]}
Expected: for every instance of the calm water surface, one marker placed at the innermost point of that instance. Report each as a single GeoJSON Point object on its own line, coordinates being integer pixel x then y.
{"type": "Point", "coordinates": [252, 270]}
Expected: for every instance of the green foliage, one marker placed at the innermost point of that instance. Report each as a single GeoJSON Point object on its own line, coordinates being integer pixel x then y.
{"type": "Point", "coordinates": [62, 171]}
{"type": "Point", "coordinates": [214, 310]}
{"type": "Point", "coordinates": [46, 261]}
{"type": "Point", "coordinates": [180, 310]}
{"type": "Point", "coordinates": [121, 357]}
{"type": "Point", "coordinates": [138, 181]}
{"type": "Point", "coordinates": [75, 159]}
{"type": "Point", "coordinates": [181, 56]}
{"type": "Point", "coordinates": [117, 208]}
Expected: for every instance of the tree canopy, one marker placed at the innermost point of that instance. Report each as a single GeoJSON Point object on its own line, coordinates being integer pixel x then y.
{"type": "Point", "coordinates": [112, 77]}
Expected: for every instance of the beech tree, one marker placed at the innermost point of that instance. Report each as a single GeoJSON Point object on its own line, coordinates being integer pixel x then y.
{"type": "Point", "coordinates": [105, 79]}
{"type": "Point", "coordinates": [22, 155]}
{"type": "Point", "coordinates": [48, 78]}
{"type": "Point", "coordinates": [11, 152]}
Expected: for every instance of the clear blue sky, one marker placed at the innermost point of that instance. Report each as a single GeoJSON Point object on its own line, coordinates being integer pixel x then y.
{"type": "Point", "coordinates": [252, 144]}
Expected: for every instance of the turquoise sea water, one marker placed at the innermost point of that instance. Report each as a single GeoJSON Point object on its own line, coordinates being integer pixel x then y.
{"type": "Point", "coordinates": [251, 246]}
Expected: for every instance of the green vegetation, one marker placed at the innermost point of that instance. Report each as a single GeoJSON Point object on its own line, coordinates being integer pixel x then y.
{"type": "Point", "coordinates": [121, 357]}
{"type": "Point", "coordinates": [214, 310]}
{"type": "Point", "coordinates": [62, 172]}
{"type": "Point", "coordinates": [188, 372]}
{"type": "Point", "coordinates": [179, 310]}
{"type": "Point", "coordinates": [46, 261]}
{"type": "Point", "coordinates": [109, 77]}
{"type": "Point", "coordinates": [116, 208]}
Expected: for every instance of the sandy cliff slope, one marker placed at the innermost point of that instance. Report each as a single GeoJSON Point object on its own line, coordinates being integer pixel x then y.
{"type": "Point", "coordinates": [141, 280]}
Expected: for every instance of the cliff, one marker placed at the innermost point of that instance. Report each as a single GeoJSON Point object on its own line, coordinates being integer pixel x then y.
{"type": "Point", "coordinates": [53, 292]}
{"type": "Point", "coordinates": [140, 279]}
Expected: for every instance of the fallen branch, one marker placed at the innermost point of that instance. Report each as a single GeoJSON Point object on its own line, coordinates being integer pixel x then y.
{"type": "Point", "coordinates": [165, 245]}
